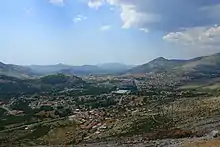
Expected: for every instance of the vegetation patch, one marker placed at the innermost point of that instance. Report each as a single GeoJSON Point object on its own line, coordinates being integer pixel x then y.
{"type": "Point", "coordinates": [38, 132]}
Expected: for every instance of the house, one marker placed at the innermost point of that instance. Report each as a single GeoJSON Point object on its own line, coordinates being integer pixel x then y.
{"type": "Point", "coordinates": [121, 92]}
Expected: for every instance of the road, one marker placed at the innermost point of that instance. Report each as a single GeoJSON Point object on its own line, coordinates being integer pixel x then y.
{"type": "Point", "coordinates": [35, 123]}
{"type": "Point", "coordinates": [9, 111]}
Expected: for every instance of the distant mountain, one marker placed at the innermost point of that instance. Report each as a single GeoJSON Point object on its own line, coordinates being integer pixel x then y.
{"type": "Point", "coordinates": [49, 69]}
{"type": "Point", "coordinates": [83, 70]}
{"type": "Point", "coordinates": [108, 68]}
{"type": "Point", "coordinates": [205, 66]}
{"type": "Point", "coordinates": [115, 67]}
{"type": "Point", "coordinates": [16, 71]}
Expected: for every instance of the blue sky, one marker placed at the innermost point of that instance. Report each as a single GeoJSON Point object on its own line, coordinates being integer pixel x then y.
{"type": "Point", "coordinates": [80, 32]}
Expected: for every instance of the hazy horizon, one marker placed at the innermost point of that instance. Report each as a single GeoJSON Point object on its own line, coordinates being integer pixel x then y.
{"type": "Point", "coordinates": [91, 32]}
{"type": "Point", "coordinates": [99, 64]}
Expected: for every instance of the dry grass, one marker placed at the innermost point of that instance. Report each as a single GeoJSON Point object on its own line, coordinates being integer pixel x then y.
{"type": "Point", "coordinates": [212, 86]}
{"type": "Point", "coordinates": [62, 133]}
{"type": "Point", "coordinates": [190, 86]}
{"type": "Point", "coordinates": [210, 143]}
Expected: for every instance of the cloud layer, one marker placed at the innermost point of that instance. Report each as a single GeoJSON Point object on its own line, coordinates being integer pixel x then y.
{"type": "Point", "coordinates": [95, 3]}
{"type": "Point", "coordinates": [197, 36]}
{"type": "Point", "coordinates": [169, 15]}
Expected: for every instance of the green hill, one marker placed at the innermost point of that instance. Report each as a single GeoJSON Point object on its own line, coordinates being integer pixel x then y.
{"type": "Point", "coordinates": [13, 87]}
{"type": "Point", "coordinates": [61, 80]}
{"type": "Point", "coordinates": [157, 65]}
{"type": "Point", "coordinates": [196, 68]}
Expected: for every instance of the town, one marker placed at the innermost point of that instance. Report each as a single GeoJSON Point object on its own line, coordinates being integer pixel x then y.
{"type": "Point", "coordinates": [107, 108]}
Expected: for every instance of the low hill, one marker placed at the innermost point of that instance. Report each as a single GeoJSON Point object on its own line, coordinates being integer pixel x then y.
{"type": "Point", "coordinates": [13, 87]}
{"type": "Point", "coordinates": [16, 71]}
{"type": "Point", "coordinates": [61, 79]}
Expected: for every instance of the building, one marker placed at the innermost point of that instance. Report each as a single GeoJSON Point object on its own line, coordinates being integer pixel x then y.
{"type": "Point", "coordinates": [121, 92]}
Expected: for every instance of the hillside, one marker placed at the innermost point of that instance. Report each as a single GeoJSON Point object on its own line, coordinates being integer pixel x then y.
{"type": "Point", "coordinates": [16, 71]}
{"type": "Point", "coordinates": [61, 80]}
{"type": "Point", "coordinates": [13, 87]}
{"type": "Point", "coordinates": [157, 65]}
{"type": "Point", "coordinates": [115, 67]}
{"type": "Point", "coordinates": [200, 67]}
{"type": "Point", "coordinates": [203, 65]}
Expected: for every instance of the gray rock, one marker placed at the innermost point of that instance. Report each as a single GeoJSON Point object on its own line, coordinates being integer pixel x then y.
{"type": "Point", "coordinates": [213, 134]}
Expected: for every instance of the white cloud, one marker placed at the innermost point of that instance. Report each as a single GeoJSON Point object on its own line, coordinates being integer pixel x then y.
{"type": "Point", "coordinates": [144, 30]}
{"type": "Point", "coordinates": [197, 36]}
{"type": "Point", "coordinates": [95, 3]}
{"type": "Point", "coordinates": [79, 18]}
{"type": "Point", "coordinates": [131, 13]}
{"type": "Point", "coordinates": [105, 27]}
{"type": "Point", "coordinates": [57, 2]}
{"type": "Point", "coordinates": [163, 15]}
{"type": "Point", "coordinates": [133, 18]}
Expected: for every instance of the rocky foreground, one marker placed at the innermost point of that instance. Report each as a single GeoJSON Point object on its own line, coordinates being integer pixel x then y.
{"type": "Point", "coordinates": [184, 142]}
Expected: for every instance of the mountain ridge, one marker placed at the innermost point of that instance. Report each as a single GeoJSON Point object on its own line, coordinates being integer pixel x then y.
{"type": "Point", "coordinates": [106, 68]}
{"type": "Point", "coordinates": [31, 71]}
{"type": "Point", "coordinates": [199, 66]}
{"type": "Point", "coordinates": [195, 66]}
{"type": "Point", "coordinates": [16, 71]}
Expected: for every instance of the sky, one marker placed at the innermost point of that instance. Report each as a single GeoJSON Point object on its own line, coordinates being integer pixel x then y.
{"type": "Point", "coordinates": [78, 32]}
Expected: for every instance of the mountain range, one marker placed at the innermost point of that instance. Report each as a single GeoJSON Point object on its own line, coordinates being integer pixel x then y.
{"type": "Point", "coordinates": [44, 70]}
{"type": "Point", "coordinates": [200, 66]}
{"type": "Point", "coordinates": [108, 68]}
